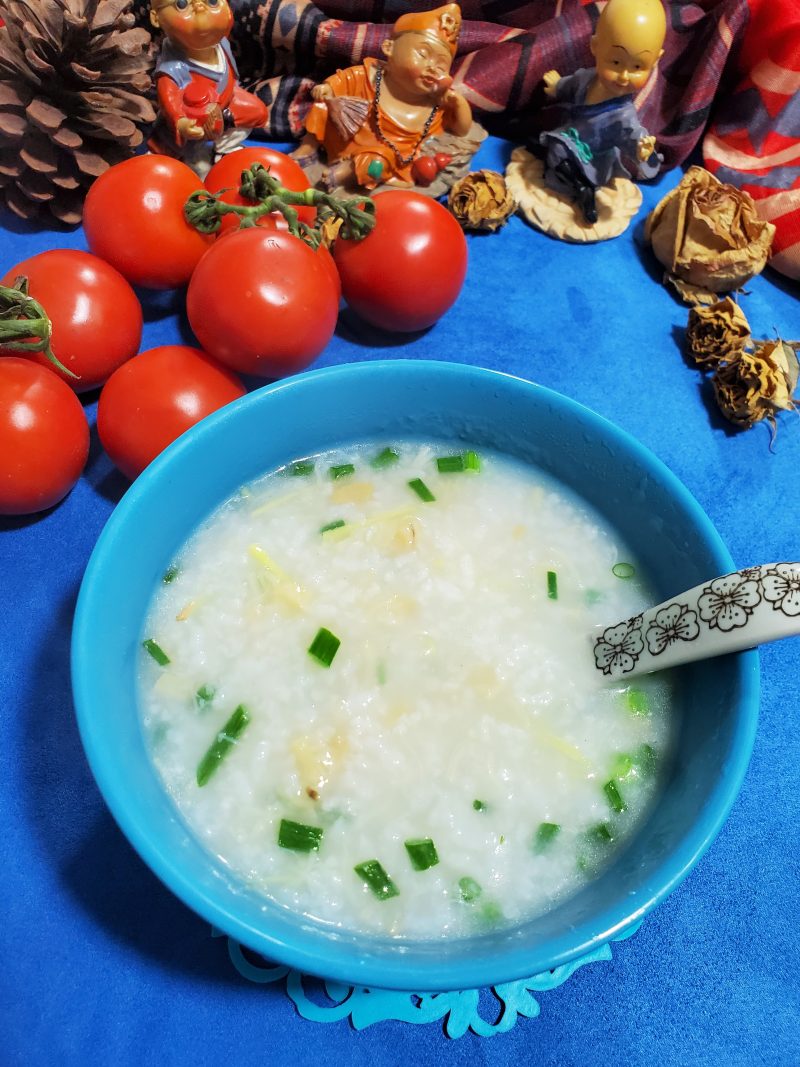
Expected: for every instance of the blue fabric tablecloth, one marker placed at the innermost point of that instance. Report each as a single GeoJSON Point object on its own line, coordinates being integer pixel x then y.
{"type": "Point", "coordinates": [102, 965]}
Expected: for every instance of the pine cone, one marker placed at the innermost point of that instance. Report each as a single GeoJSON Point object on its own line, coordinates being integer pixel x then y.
{"type": "Point", "coordinates": [74, 84]}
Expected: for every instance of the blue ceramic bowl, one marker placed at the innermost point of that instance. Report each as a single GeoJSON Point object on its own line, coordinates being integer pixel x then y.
{"type": "Point", "coordinates": [674, 540]}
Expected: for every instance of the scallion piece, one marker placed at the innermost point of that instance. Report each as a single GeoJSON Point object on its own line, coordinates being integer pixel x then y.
{"type": "Point", "coordinates": [298, 837]}
{"type": "Point", "coordinates": [552, 585]}
{"type": "Point", "coordinates": [204, 697]}
{"type": "Point", "coordinates": [602, 834]}
{"type": "Point", "coordinates": [491, 913]}
{"type": "Point", "coordinates": [637, 702]}
{"type": "Point", "coordinates": [623, 570]}
{"type": "Point", "coordinates": [545, 835]}
{"type": "Point", "coordinates": [324, 647]}
{"type": "Point", "coordinates": [302, 468]}
{"type": "Point", "coordinates": [373, 875]}
{"type": "Point", "coordinates": [450, 464]}
{"type": "Point", "coordinates": [422, 853]}
{"type": "Point", "coordinates": [421, 489]}
{"type": "Point", "coordinates": [614, 796]}
{"type": "Point", "coordinates": [381, 673]}
{"type": "Point", "coordinates": [469, 889]}
{"type": "Point", "coordinates": [472, 461]}
{"type": "Point", "coordinates": [646, 760]}
{"type": "Point", "coordinates": [623, 768]}
{"type": "Point", "coordinates": [156, 651]}
{"type": "Point", "coordinates": [335, 525]}
{"type": "Point", "coordinates": [387, 458]}
{"type": "Point", "coordinates": [479, 805]}
{"type": "Point", "coordinates": [222, 743]}
{"type": "Point", "coordinates": [341, 470]}
{"type": "Point", "coordinates": [170, 574]}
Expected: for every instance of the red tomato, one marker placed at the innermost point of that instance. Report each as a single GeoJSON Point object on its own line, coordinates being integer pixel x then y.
{"type": "Point", "coordinates": [226, 174]}
{"type": "Point", "coordinates": [155, 397]}
{"type": "Point", "coordinates": [44, 437]}
{"type": "Point", "coordinates": [409, 270]}
{"type": "Point", "coordinates": [263, 302]}
{"type": "Point", "coordinates": [133, 218]}
{"type": "Point", "coordinates": [96, 318]}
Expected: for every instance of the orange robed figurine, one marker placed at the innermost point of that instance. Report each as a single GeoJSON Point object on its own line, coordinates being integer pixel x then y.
{"type": "Point", "coordinates": [203, 111]}
{"type": "Point", "coordinates": [378, 121]}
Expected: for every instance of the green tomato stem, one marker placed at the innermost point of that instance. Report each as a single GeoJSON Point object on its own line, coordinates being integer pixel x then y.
{"type": "Point", "coordinates": [24, 324]}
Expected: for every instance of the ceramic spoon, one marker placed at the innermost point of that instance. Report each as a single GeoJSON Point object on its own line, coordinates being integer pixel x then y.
{"type": "Point", "coordinates": [727, 614]}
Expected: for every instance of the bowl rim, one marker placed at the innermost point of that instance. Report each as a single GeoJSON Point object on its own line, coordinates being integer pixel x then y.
{"type": "Point", "coordinates": [308, 954]}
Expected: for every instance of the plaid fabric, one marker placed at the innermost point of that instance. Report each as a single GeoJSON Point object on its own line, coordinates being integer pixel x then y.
{"type": "Point", "coordinates": [733, 64]}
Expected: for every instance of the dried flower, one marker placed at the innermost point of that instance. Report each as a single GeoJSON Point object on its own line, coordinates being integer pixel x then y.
{"type": "Point", "coordinates": [708, 236]}
{"type": "Point", "coordinates": [717, 332]}
{"type": "Point", "coordinates": [481, 200]}
{"type": "Point", "coordinates": [757, 384]}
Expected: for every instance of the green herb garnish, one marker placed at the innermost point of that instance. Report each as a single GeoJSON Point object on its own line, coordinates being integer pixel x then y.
{"type": "Point", "coordinates": [341, 470]}
{"type": "Point", "coordinates": [469, 889]}
{"type": "Point", "coordinates": [335, 525]}
{"type": "Point", "coordinates": [490, 913]}
{"type": "Point", "coordinates": [602, 834]}
{"type": "Point", "coordinates": [298, 837]}
{"type": "Point", "coordinates": [422, 853]}
{"type": "Point", "coordinates": [623, 570]}
{"type": "Point", "coordinates": [645, 759]}
{"type": "Point", "coordinates": [450, 464]}
{"type": "Point", "coordinates": [637, 702]}
{"type": "Point", "coordinates": [421, 489]}
{"type": "Point", "coordinates": [324, 647]}
{"type": "Point", "coordinates": [204, 697]}
{"type": "Point", "coordinates": [380, 671]}
{"type": "Point", "coordinates": [545, 835]}
{"type": "Point", "coordinates": [552, 585]}
{"type": "Point", "coordinates": [614, 796]}
{"type": "Point", "coordinates": [170, 574]}
{"type": "Point", "coordinates": [373, 875]}
{"type": "Point", "coordinates": [387, 458]}
{"type": "Point", "coordinates": [472, 461]}
{"type": "Point", "coordinates": [479, 805]}
{"type": "Point", "coordinates": [222, 743]}
{"type": "Point", "coordinates": [156, 651]}
{"type": "Point", "coordinates": [302, 468]}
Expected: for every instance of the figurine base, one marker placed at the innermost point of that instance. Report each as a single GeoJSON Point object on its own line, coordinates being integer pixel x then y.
{"type": "Point", "coordinates": [558, 216]}
{"type": "Point", "coordinates": [339, 178]}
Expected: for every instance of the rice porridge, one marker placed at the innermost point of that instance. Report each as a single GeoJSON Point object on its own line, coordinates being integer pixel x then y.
{"type": "Point", "coordinates": [367, 684]}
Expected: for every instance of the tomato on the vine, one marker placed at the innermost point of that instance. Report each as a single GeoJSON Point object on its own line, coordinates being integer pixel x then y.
{"type": "Point", "coordinates": [155, 397]}
{"type": "Point", "coordinates": [133, 218]}
{"type": "Point", "coordinates": [44, 437]}
{"type": "Point", "coordinates": [409, 270]}
{"type": "Point", "coordinates": [263, 302]}
{"type": "Point", "coordinates": [95, 315]}
{"type": "Point", "coordinates": [224, 179]}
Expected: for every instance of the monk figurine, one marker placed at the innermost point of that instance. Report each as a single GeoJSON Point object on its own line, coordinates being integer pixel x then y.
{"type": "Point", "coordinates": [203, 111]}
{"type": "Point", "coordinates": [601, 144]}
{"type": "Point", "coordinates": [391, 121]}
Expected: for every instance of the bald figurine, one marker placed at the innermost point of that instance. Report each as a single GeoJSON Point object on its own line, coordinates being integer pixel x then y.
{"type": "Point", "coordinates": [603, 138]}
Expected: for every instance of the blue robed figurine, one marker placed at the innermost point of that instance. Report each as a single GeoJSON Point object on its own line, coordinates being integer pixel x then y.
{"type": "Point", "coordinates": [603, 138]}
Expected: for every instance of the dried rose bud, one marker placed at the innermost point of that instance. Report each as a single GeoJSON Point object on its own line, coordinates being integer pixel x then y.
{"type": "Point", "coordinates": [708, 235]}
{"type": "Point", "coordinates": [481, 200]}
{"type": "Point", "coordinates": [717, 332]}
{"type": "Point", "coordinates": [757, 384]}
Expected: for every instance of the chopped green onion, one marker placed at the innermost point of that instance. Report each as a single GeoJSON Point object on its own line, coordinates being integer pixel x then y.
{"type": "Point", "coordinates": [470, 890]}
{"type": "Point", "coordinates": [341, 470]}
{"type": "Point", "coordinates": [552, 585]}
{"type": "Point", "coordinates": [298, 837]}
{"type": "Point", "coordinates": [324, 646]}
{"type": "Point", "coordinates": [592, 596]}
{"type": "Point", "coordinates": [373, 875]}
{"type": "Point", "coordinates": [156, 651]}
{"type": "Point", "coordinates": [387, 458]}
{"type": "Point", "coordinates": [222, 743]}
{"type": "Point", "coordinates": [623, 570]}
{"type": "Point", "coordinates": [614, 796]}
{"type": "Point", "coordinates": [450, 464]}
{"type": "Point", "coordinates": [302, 468]}
{"type": "Point", "coordinates": [646, 760]}
{"type": "Point", "coordinates": [422, 853]}
{"type": "Point", "coordinates": [490, 913]}
{"type": "Point", "coordinates": [472, 461]}
{"type": "Point", "coordinates": [479, 805]}
{"type": "Point", "coordinates": [545, 835]}
{"type": "Point", "coordinates": [381, 673]}
{"type": "Point", "coordinates": [421, 489]}
{"type": "Point", "coordinates": [602, 834]}
{"type": "Point", "coordinates": [335, 525]}
{"type": "Point", "coordinates": [204, 697]}
{"type": "Point", "coordinates": [637, 702]}
{"type": "Point", "coordinates": [624, 767]}
{"type": "Point", "coordinates": [171, 573]}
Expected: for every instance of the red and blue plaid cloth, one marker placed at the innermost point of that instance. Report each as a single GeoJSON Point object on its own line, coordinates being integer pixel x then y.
{"type": "Point", "coordinates": [727, 84]}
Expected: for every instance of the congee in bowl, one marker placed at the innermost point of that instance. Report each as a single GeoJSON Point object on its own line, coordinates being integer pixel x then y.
{"type": "Point", "coordinates": [357, 723]}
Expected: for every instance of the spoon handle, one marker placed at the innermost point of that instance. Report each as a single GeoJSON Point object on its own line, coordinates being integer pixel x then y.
{"type": "Point", "coordinates": [737, 611]}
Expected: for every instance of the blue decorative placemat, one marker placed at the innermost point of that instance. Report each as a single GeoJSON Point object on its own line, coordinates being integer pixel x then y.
{"type": "Point", "coordinates": [461, 1010]}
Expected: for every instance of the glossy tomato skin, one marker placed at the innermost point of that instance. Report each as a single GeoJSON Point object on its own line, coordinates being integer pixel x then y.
{"type": "Point", "coordinates": [410, 269]}
{"type": "Point", "coordinates": [95, 315]}
{"type": "Point", "coordinates": [133, 218]}
{"type": "Point", "coordinates": [154, 398]}
{"type": "Point", "coordinates": [226, 175]}
{"type": "Point", "coordinates": [44, 437]}
{"type": "Point", "coordinates": [263, 303]}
